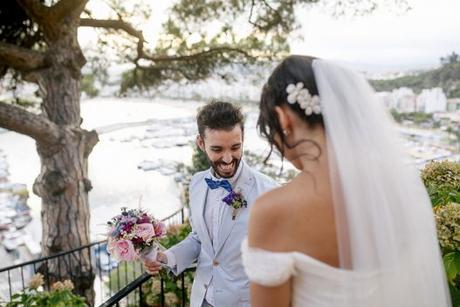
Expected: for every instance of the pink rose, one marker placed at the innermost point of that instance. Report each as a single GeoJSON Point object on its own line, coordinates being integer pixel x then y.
{"type": "Point", "coordinates": [160, 229]}
{"type": "Point", "coordinates": [145, 231]}
{"type": "Point", "coordinates": [123, 250]}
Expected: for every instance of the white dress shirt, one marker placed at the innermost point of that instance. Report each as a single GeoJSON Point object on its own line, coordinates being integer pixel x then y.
{"type": "Point", "coordinates": [213, 216]}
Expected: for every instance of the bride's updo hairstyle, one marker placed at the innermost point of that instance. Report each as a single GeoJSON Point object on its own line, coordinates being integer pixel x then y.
{"type": "Point", "coordinates": [292, 70]}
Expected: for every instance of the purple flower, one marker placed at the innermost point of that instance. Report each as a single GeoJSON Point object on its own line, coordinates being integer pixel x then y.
{"type": "Point", "coordinates": [229, 198]}
{"type": "Point", "coordinates": [144, 219]}
{"type": "Point", "coordinates": [235, 200]}
{"type": "Point", "coordinates": [128, 219]}
{"type": "Point", "coordinates": [128, 227]}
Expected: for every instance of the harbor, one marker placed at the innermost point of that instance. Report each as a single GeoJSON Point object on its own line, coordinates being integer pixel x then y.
{"type": "Point", "coordinates": [142, 143]}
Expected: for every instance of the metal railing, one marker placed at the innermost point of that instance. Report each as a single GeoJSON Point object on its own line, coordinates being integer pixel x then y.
{"type": "Point", "coordinates": [112, 279]}
{"type": "Point", "coordinates": [135, 290]}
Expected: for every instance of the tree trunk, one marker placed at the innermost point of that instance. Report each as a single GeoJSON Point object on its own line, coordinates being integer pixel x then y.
{"type": "Point", "coordinates": [63, 184]}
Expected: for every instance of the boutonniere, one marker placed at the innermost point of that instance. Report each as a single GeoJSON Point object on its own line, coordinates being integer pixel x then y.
{"type": "Point", "coordinates": [235, 200]}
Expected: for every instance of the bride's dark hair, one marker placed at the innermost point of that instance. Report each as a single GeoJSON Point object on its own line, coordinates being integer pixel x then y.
{"type": "Point", "coordinates": [291, 70]}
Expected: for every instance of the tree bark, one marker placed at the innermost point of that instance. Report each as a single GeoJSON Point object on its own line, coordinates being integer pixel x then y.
{"type": "Point", "coordinates": [63, 183]}
{"type": "Point", "coordinates": [62, 145]}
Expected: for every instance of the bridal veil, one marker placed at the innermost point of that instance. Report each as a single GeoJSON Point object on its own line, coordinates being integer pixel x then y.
{"type": "Point", "coordinates": [384, 219]}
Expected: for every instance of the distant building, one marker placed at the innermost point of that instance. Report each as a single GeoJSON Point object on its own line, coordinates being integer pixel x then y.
{"type": "Point", "coordinates": [431, 100]}
{"type": "Point", "coordinates": [453, 104]}
{"type": "Point", "coordinates": [405, 99]}
{"type": "Point", "coordinates": [448, 119]}
{"type": "Point", "coordinates": [387, 99]}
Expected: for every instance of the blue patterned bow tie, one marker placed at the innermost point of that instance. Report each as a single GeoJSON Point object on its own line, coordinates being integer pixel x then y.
{"type": "Point", "coordinates": [214, 184]}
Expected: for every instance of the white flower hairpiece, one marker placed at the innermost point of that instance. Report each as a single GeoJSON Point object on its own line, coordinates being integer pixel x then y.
{"type": "Point", "coordinates": [296, 93]}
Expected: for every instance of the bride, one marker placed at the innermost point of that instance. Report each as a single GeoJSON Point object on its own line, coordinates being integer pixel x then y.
{"type": "Point", "coordinates": [355, 227]}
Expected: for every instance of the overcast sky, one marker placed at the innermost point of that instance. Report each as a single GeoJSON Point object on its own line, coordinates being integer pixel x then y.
{"type": "Point", "coordinates": [380, 42]}
{"type": "Point", "coordinates": [384, 41]}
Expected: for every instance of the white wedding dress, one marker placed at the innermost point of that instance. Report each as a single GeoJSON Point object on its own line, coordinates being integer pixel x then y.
{"type": "Point", "coordinates": [388, 250]}
{"type": "Point", "coordinates": [314, 283]}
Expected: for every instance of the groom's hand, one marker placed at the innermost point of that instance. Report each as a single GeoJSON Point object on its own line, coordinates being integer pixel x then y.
{"type": "Point", "coordinates": [154, 267]}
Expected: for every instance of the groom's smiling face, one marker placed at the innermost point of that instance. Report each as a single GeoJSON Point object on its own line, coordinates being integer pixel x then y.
{"type": "Point", "coordinates": [223, 148]}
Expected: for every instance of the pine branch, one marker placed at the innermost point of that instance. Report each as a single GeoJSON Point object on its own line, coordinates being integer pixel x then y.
{"type": "Point", "coordinates": [24, 122]}
{"type": "Point", "coordinates": [21, 59]}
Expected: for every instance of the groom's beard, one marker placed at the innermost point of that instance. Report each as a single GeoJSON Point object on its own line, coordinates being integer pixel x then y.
{"type": "Point", "coordinates": [220, 167]}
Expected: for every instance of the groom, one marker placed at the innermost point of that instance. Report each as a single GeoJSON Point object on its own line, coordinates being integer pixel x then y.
{"type": "Point", "coordinates": [220, 199]}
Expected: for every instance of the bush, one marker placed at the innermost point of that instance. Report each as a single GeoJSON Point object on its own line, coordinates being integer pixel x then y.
{"type": "Point", "coordinates": [172, 284]}
{"type": "Point", "coordinates": [448, 226]}
{"type": "Point", "coordinates": [87, 85]}
{"type": "Point", "coordinates": [442, 180]}
{"type": "Point", "coordinates": [60, 295]}
{"type": "Point", "coordinates": [199, 161]}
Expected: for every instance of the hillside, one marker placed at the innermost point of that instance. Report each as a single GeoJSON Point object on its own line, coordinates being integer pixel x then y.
{"type": "Point", "coordinates": [447, 77]}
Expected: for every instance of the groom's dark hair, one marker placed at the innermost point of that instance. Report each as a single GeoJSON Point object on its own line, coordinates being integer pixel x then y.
{"type": "Point", "coordinates": [219, 115]}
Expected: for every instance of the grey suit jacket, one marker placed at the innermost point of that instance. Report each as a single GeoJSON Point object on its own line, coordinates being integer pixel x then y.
{"type": "Point", "coordinates": [222, 263]}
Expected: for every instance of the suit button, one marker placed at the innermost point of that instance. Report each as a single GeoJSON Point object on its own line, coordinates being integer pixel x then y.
{"type": "Point", "coordinates": [215, 262]}
{"type": "Point", "coordinates": [205, 286]}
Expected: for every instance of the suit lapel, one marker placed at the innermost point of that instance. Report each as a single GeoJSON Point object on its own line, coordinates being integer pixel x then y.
{"type": "Point", "coordinates": [200, 196]}
{"type": "Point", "coordinates": [244, 185]}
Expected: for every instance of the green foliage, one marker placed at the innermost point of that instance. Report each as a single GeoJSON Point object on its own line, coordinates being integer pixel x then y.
{"type": "Point", "coordinates": [55, 298]}
{"type": "Point", "coordinates": [25, 103]}
{"type": "Point", "coordinates": [199, 161]}
{"type": "Point", "coordinates": [87, 86]}
{"type": "Point", "coordinates": [448, 226]}
{"type": "Point", "coordinates": [172, 285]}
{"type": "Point", "coordinates": [415, 117]}
{"type": "Point", "coordinates": [175, 234]}
{"type": "Point", "coordinates": [452, 265]}
{"type": "Point", "coordinates": [455, 295]}
{"type": "Point", "coordinates": [447, 77]}
{"type": "Point", "coordinates": [201, 36]}
{"type": "Point", "coordinates": [16, 27]}
{"type": "Point", "coordinates": [442, 180]}
{"type": "Point", "coordinates": [60, 296]}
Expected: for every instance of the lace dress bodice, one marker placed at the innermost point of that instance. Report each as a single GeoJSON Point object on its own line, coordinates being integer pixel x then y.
{"type": "Point", "coordinates": [314, 283]}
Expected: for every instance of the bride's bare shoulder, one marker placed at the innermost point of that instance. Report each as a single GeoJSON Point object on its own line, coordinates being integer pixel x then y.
{"type": "Point", "coordinates": [303, 192]}
{"type": "Point", "coordinates": [283, 211]}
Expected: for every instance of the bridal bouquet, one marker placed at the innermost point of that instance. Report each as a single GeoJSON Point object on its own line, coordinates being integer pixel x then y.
{"type": "Point", "coordinates": [134, 234]}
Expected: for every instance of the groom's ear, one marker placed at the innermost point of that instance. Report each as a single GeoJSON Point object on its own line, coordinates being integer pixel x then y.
{"type": "Point", "coordinates": [200, 142]}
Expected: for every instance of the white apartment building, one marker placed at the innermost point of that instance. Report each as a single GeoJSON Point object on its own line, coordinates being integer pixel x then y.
{"type": "Point", "coordinates": [431, 100]}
